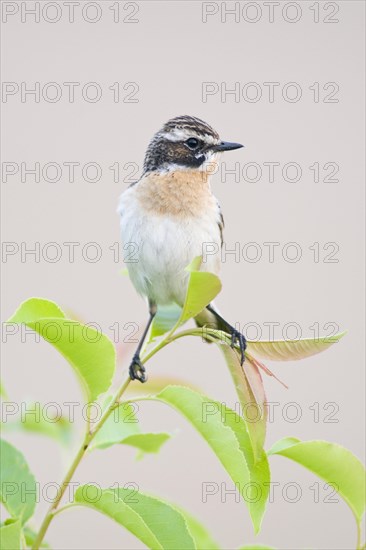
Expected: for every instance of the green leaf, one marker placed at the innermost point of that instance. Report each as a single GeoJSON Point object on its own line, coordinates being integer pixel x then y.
{"type": "Point", "coordinates": [331, 462]}
{"type": "Point", "coordinates": [260, 476]}
{"type": "Point", "coordinates": [154, 522]}
{"type": "Point", "coordinates": [155, 384]}
{"type": "Point", "coordinates": [17, 483]}
{"type": "Point", "coordinates": [58, 428]}
{"type": "Point", "coordinates": [36, 308]}
{"type": "Point", "coordinates": [226, 434]}
{"type": "Point", "coordinates": [11, 535]}
{"type": "Point", "coordinates": [202, 538]}
{"type": "Point", "coordinates": [121, 423]}
{"type": "Point", "coordinates": [249, 387]}
{"type": "Point", "coordinates": [220, 437]}
{"type": "Point", "coordinates": [59, 431]}
{"type": "Point", "coordinates": [165, 319]}
{"type": "Point", "coordinates": [147, 442]}
{"type": "Point", "coordinates": [3, 393]}
{"type": "Point", "coordinates": [122, 427]}
{"type": "Point", "coordinates": [89, 352]}
{"type": "Point", "coordinates": [203, 287]}
{"type": "Point", "coordinates": [292, 350]}
{"type": "Point", "coordinates": [256, 493]}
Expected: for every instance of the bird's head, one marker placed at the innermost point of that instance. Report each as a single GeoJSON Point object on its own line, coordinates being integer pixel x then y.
{"type": "Point", "coordinates": [184, 143]}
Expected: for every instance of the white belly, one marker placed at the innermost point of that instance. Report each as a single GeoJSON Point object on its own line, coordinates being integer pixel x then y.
{"type": "Point", "coordinates": [163, 246]}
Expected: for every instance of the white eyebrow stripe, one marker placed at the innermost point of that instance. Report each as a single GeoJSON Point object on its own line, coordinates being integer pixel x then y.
{"type": "Point", "coordinates": [176, 135]}
{"type": "Point", "coordinates": [181, 134]}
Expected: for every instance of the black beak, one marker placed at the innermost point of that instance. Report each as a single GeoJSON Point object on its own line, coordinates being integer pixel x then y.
{"type": "Point", "coordinates": [227, 146]}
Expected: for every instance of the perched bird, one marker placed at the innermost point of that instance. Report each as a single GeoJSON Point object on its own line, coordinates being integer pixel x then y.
{"type": "Point", "coordinates": [168, 215]}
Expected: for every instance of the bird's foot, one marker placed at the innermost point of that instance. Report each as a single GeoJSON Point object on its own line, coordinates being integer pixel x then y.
{"type": "Point", "coordinates": [137, 370]}
{"type": "Point", "coordinates": [238, 338]}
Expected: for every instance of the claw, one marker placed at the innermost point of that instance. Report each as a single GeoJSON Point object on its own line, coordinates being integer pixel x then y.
{"type": "Point", "coordinates": [233, 338]}
{"type": "Point", "coordinates": [238, 337]}
{"type": "Point", "coordinates": [137, 370]}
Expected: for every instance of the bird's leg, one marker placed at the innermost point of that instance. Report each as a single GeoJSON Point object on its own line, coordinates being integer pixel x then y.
{"type": "Point", "coordinates": [236, 335]}
{"type": "Point", "coordinates": [137, 370]}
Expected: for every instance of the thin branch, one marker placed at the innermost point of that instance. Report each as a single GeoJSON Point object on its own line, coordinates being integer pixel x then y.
{"type": "Point", "coordinates": [75, 463]}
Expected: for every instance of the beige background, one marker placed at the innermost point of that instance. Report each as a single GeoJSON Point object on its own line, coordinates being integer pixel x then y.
{"type": "Point", "coordinates": [169, 53]}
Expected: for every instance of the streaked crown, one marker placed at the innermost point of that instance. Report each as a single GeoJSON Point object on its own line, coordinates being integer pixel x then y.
{"type": "Point", "coordinates": [183, 142]}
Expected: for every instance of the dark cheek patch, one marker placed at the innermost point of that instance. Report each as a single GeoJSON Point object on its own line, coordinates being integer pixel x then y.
{"type": "Point", "coordinates": [200, 159]}
{"type": "Point", "coordinates": [182, 156]}
{"type": "Point", "coordinates": [166, 153]}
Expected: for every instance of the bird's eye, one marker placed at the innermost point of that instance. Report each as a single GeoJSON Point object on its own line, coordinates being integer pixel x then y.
{"type": "Point", "coordinates": [192, 143]}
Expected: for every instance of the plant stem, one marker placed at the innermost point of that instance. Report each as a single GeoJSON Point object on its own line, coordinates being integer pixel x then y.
{"type": "Point", "coordinates": [89, 436]}
{"type": "Point", "coordinates": [359, 547]}
{"type": "Point", "coordinates": [63, 508]}
{"type": "Point", "coordinates": [49, 516]}
{"type": "Point", "coordinates": [211, 334]}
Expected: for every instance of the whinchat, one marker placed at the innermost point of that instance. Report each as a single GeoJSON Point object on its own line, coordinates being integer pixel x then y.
{"type": "Point", "coordinates": [169, 214]}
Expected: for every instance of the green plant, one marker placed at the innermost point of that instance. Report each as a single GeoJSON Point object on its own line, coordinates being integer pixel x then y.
{"type": "Point", "coordinates": [237, 441]}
